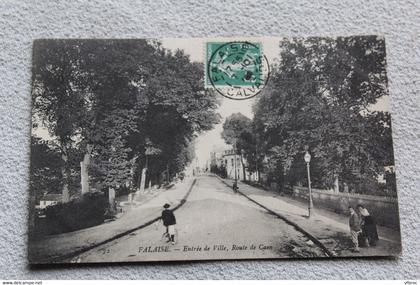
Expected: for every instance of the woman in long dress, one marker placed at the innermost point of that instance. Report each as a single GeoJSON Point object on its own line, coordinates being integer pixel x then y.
{"type": "Point", "coordinates": [369, 230]}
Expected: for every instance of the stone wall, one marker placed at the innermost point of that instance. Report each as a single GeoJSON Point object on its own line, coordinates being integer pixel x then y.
{"type": "Point", "coordinates": [384, 209]}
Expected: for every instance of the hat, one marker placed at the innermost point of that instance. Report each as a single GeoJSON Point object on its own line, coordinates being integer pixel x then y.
{"type": "Point", "coordinates": [166, 206]}
{"type": "Point", "coordinates": [364, 212]}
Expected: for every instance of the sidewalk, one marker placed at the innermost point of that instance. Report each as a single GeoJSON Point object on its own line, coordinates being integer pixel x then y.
{"type": "Point", "coordinates": [51, 247]}
{"type": "Point", "coordinates": [329, 228]}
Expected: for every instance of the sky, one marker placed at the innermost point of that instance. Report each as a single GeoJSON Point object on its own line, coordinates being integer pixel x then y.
{"type": "Point", "coordinates": [195, 48]}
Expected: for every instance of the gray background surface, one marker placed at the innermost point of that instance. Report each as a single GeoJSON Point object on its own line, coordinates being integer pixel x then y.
{"type": "Point", "coordinates": [23, 21]}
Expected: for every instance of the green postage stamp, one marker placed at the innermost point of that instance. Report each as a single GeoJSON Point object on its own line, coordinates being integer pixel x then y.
{"type": "Point", "coordinates": [237, 70]}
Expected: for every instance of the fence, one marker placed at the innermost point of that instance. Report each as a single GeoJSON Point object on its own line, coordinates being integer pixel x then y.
{"type": "Point", "coordinates": [383, 209]}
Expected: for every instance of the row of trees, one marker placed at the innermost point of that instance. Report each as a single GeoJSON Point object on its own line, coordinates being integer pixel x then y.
{"type": "Point", "coordinates": [111, 109]}
{"type": "Point", "coordinates": [320, 97]}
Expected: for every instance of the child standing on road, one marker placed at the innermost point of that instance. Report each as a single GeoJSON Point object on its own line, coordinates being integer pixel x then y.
{"type": "Point", "coordinates": [355, 228]}
{"type": "Point", "coordinates": [169, 221]}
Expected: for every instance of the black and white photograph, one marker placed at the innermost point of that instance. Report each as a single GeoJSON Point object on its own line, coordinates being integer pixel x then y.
{"type": "Point", "coordinates": [182, 149]}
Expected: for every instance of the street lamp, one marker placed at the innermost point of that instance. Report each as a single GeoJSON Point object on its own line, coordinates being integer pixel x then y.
{"type": "Point", "coordinates": [234, 157]}
{"type": "Point", "coordinates": [307, 158]}
{"type": "Point", "coordinates": [235, 184]}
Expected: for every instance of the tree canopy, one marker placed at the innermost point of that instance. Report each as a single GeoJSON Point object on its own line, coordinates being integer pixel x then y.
{"type": "Point", "coordinates": [117, 102]}
{"type": "Point", "coordinates": [320, 97]}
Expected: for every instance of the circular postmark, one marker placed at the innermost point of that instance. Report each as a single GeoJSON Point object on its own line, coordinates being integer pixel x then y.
{"type": "Point", "coordinates": [238, 70]}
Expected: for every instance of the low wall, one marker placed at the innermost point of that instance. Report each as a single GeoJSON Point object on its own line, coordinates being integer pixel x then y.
{"type": "Point", "coordinates": [384, 209]}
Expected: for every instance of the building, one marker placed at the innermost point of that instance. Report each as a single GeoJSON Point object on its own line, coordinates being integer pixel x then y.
{"type": "Point", "coordinates": [48, 200]}
{"type": "Point", "coordinates": [229, 158]}
{"type": "Point", "coordinates": [216, 159]}
{"type": "Point", "coordinates": [226, 159]}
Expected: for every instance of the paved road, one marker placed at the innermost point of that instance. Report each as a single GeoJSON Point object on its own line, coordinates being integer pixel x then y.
{"type": "Point", "coordinates": [214, 223]}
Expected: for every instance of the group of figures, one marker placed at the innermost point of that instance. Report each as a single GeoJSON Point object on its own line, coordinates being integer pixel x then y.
{"type": "Point", "coordinates": [363, 229]}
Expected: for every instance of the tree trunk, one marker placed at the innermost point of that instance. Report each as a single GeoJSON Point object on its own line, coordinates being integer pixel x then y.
{"type": "Point", "coordinates": [65, 174]}
{"type": "Point", "coordinates": [281, 179]}
{"type": "Point", "coordinates": [143, 179]}
{"type": "Point", "coordinates": [258, 176]}
{"type": "Point", "coordinates": [132, 171]}
{"type": "Point", "coordinates": [336, 184]}
{"type": "Point", "coordinates": [243, 167]}
{"type": "Point", "coordinates": [111, 200]}
{"type": "Point", "coordinates": [84, 170]}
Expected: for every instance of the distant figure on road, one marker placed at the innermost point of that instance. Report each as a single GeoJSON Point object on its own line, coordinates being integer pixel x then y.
{"type": "Point", "coordinates": [169, 221]}
{"type": "Point", "coordinates": [182, 176]}
{"type": "Point", "coordinates": [235, 187]}
{"type": "Point", "coordinates": [355, 228]}
{"type": "Point", "coordinates": [369, 231]}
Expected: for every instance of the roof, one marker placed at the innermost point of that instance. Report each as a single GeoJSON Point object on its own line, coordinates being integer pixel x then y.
{"type": "Point", "coordinates": [52, 197]}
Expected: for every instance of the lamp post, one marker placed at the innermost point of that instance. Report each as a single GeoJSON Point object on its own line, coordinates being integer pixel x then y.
{"type": "Point", "coordinates": [235, 184]}
{"type": "Point", "coordinates": [307, 158]}
{"type": "Point", "coordinates": [257, 176]}
{"type": "Point", "coordinates": [234, 157]}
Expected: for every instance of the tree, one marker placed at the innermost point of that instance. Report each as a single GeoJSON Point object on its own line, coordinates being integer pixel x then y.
{"type": "Point", "coordinates": [237, 131]}
{"type": "Point", "coordinates": [253, 148]}
{"type": "Point", "coordinates": [177, 108]}
{"type": "Point", "coordinates": [57, 96]}
{"type": "Point", "coordinates": [112, 157]}
{"type": "Point", "coordinates": [117, 70]}
{"type": "Point", "coordinates": [104, 100]}
{"type": "Point", "coordinates": [319, 96]}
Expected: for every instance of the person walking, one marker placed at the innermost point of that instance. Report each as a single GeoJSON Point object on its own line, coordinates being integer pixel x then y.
{"type": "Point", "coordinates": [235, 187]}
{"type": "Point", "coordinates": [169, 221]}
{"type": "Point", "coordinates": [355, 228]}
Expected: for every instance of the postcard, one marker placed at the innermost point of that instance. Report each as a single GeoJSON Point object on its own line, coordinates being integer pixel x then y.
{"type": "Point", "coordinates": [187, 149]}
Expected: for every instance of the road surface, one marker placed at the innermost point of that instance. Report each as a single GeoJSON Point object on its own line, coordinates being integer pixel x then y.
{"type": "Point", "coordinates": [214, 223]}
